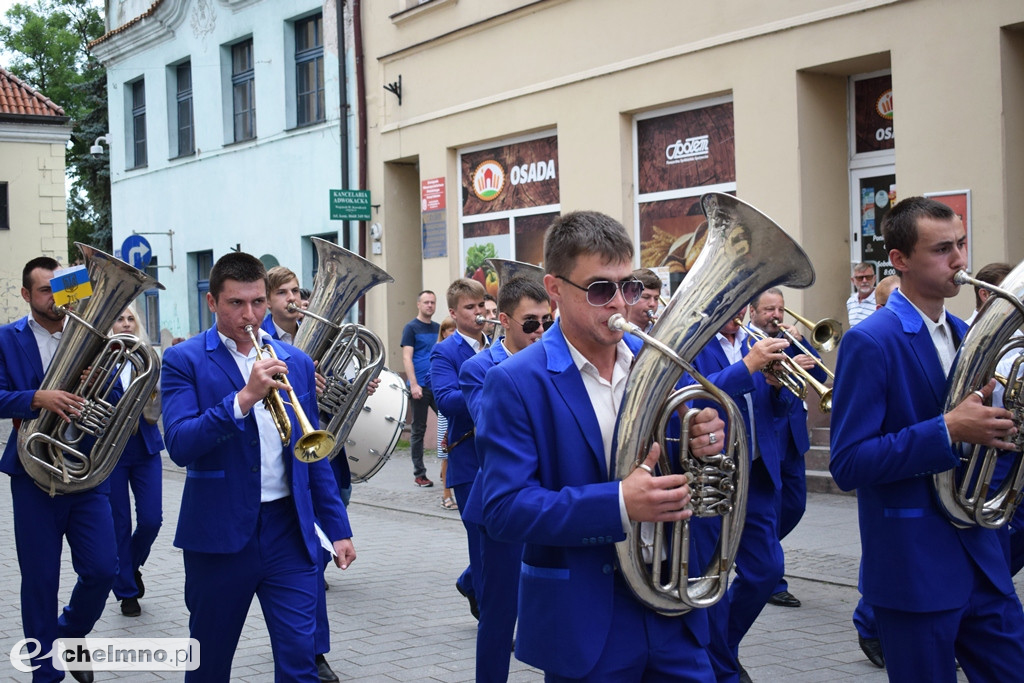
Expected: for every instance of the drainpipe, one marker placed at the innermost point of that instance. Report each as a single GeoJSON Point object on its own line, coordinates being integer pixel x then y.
{"type": "Point", "coordinates": [357, 30]}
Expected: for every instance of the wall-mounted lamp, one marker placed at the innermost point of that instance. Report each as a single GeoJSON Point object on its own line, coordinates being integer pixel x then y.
{"type": "Point", "coordinates": [97, 148]}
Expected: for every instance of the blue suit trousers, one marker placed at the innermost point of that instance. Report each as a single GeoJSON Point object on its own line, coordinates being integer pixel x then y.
{"type": "Point", "coordinates": [498, 600]}
{"type": "Point", "coordinates": [143, 472]}
{"type": "Point", "coordinates": [275, 567]}
{"type": "Point", "coordinates": [41, 524]}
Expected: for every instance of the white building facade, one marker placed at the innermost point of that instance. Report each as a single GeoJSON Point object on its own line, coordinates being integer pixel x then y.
{"type": "Point", "coordinates": [228, 131]}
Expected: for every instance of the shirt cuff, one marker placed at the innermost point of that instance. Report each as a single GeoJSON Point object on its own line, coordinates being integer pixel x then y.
{"type": "Point", "coordinates": [238, 410]}
{"type": "Point", "coordinates": [623, 516]}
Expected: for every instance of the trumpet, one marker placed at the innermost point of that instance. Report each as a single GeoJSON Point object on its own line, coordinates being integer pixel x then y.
{"type": "Point", "coordinates": [825, 334]}
{"type": "Point", "coordinates": [484, 320]}
{"type": "Point", "coordinates": [314, 444]}
{"type": "Point", "coordinates": [790, 374]}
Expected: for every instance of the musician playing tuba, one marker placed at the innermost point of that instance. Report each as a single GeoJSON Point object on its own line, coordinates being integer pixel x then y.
{"type": "Point", "coordinates": [547, 416]}
{"type": "Point", "coordinates": [643, 313]}
{"type": "Point", "coordinates": [941, 594]}
{"type": "Point", "coordinates": [42, 522]}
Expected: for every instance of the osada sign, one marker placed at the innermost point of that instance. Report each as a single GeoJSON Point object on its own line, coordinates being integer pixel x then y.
{"type": "Point", "coordinates": [489, 176]}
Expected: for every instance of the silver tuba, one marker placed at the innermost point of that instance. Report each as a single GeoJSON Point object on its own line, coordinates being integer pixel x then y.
{"type": "Point", "coordinates": [506, 269]}
{"type": "Point", "coordinates": [745, 253]}
{"type": "Point", "coordinates": [55, 453]}
{"type": "Point", "coordinates": [341, 348]}
{"type": "Point", "coordinates": [966, 493]}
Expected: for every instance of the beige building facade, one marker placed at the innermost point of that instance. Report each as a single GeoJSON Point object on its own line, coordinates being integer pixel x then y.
{"type": "Point", "coordinates": [33, 206]}
{"type": "Point", "coordinates": [486, 119]}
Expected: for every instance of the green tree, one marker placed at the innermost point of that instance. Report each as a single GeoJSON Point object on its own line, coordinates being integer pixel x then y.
{"type": "Point", "coordinates": [48, 41]}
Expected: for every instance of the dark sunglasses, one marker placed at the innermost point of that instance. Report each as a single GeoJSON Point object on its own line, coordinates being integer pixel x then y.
{"type": "Point", "coordinates": [531, 326]}
{"type": "Point", "coordinates": [600, 292]}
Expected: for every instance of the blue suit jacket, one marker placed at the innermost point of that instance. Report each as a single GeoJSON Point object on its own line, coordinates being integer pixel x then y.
{"type": "Point", "coordinates": [545, 483]}
{"type": "Point", "coordinates": [771, 406]}
{"type": "Point", "coordinates": [221, 501]}
{"type": "Point", "coordinates": [793, 430]}
{"type": "Point", "coordinates": [445, 362]}
{"type": "Point", "coordinates": [21, 374]}
{"type": "Point", "coordinates": [888, 438]}
{"type": "Point", "coordinates": [471, 378]}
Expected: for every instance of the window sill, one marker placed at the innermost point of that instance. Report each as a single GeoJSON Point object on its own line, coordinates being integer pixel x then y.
{"type": "Point", "coordinates": [420, 10]}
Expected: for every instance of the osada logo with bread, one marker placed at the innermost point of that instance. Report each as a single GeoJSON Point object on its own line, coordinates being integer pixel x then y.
{"type": "Point", "coordinates": [488, 180]}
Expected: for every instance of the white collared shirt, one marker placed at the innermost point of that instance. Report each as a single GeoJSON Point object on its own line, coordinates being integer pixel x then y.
{"type": "Point", "coordinates": [941, 336]}
{"type": "Point", "coordinates": [46, 342]}
{"type": "Point", "coordinates": [473, 343]}
{"type": "Point", "coordinates": [605, 398]}
{"type": "Point", "coordinates": [273, 475]}
{"type": "Point", "coordinates": [286, 337]}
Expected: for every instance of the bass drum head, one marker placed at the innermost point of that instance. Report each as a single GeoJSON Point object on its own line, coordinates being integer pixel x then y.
{"type": "Point", "coordinates": [378, 428]}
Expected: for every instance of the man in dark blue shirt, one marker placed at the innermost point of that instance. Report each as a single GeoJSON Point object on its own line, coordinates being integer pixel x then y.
{"type": "Point", "coordinates": [418, 339]}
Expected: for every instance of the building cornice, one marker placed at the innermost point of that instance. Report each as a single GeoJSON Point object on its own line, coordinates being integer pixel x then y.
{"type": "Point", "coordinates": [25, 132]}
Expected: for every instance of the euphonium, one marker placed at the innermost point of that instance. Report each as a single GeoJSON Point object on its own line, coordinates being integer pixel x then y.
{"type": "Point", "coordinates": [966, 493]}
{"type": "Point", "coordinates": [349, 355]}
{"type": "Point", "coordinates": [314, 444]}
{"type": "Point", "coordinates": [745, 253]}
{"type": "Point", "coordinates": [89, 363]}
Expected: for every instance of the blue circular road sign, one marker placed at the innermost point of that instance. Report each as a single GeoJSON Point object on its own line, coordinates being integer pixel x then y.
{"type": "Point", "coordinates": [136, 252]}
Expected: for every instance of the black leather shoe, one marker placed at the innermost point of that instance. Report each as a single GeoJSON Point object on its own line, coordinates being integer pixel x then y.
{"type": "Point", "coordinates": [744, 676]}
{"type": "Point", "coordinates": [82, 676]}
{"type": "Point", "coordinates": [324, 671]}
{"type": "Point", "coordinates": [474, 609]}
{"type": "Point", "coordinates": [130, 607]}
{"type": "Point", "coordinates": [872, 648]}
{"type": "Point", "coordinates": [784, 599]}
{"type": "Point", "coordinates": [138, 584]}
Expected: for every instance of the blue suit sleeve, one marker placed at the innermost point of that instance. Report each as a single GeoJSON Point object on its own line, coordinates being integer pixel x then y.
{"type": "Point", "coordinates": [864, 450]}
{"type": "Point", "coordinates": [13, 402]}
{"type": "Point", "coordinates": [327, 505]}
{"type": "Point", "coordinates": [517, 504]}
{"type": "Point", "coordinates": [471, 380]}
{"type": "Point", "coordinates": [191, 433]}
{"type": "Point", "coordinates": [444, 382]}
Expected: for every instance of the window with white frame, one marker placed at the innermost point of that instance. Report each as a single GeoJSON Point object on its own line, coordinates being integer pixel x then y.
{"type": "Point", "coordinates": [138, 124]}
{"type": "Point", "coordinates": [309, 70]}
{"type": "Point", "coordinates": [243, 90]}
{"type": "Point", "coordinates": [185, 124]}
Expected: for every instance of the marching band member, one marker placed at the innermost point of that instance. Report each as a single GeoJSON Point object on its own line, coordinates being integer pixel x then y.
{"type": "Point", "coordinates": [465, 302]}
{"type": "Point", "coordinates": [642, 312]}
{"type": "Point", "coordinates": [525, 314]}
{"type": "Point", "coordinates": [940, 594]}
{"type": "Point", "coordinates": [733, 364]}
{"type": "Point", "coordinates": [547, 417]}
{"type": "Point", "coordinates": [766, 313]}
{"type": "Point", "coordinates": [140, 468]}
{"type": "Point", "coordinates": [41, 523]}
{"type": "Point", "coordinates": [248, 508]}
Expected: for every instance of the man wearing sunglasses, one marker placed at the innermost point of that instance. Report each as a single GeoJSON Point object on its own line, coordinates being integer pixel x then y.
{"type": "Point", "coordinates": [525, 314]}
{"type": "Point", "coordinates": [545, 427]}
{"type": "Point", "coordinates": [861, 303]}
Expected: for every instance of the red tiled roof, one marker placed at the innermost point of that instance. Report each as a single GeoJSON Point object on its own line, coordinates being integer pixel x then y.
{"type": "Point", "coordinates": [17, 97]}
{"type": "Point", "coordinates": [126, 25]}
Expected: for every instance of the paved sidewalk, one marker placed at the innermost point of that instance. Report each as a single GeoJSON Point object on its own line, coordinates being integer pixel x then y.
{"type": "Point", "coordinates": [397, 617]}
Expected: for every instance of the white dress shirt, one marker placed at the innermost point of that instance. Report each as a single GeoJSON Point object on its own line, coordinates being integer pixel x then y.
{"type": "Point", "coordinates": [46, 342]}
{"type": "Point", "coordinates": [273, 475]}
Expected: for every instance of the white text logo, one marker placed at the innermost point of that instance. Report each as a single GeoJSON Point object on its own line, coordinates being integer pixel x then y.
{"type": "Point", "coordinates": [693, 149]}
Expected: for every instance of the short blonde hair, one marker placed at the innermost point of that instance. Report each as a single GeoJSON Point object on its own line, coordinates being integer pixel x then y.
{"type": "Point", "coordinates": [464, 288]}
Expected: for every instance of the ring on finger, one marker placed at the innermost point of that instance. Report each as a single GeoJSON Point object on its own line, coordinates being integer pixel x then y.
{"type": "Point", "coordinates": [712, 439]}
{"type": "Point", "coordinates": [980, 395]}
{"type": "Point", "coordinates": [646, 468]}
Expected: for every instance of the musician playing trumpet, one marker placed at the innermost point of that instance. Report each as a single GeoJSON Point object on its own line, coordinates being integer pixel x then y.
{"type": "Point", "coordinates": [644, 312]}
{"type": "Point", "coordinates": [248, 509]}
{"type": "Point", "coordinates": [941, 594]}
{"type": "Point", "coordinates": [547, 417]}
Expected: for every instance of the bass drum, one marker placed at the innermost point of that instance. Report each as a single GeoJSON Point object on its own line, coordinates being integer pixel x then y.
{"type": "Point", "coordinates": [378, 428]}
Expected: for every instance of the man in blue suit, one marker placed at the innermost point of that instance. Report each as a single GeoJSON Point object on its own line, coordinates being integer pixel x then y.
{"type": "Point", "coordinates": [525, 314]}
{"type": "Point", "coordinates": [546, 427]}
{"type": "Point", "coordinates": [732, 361]}
{"type": "Point", "coordinates": [766, 314]}
{"type": "Point", "coordinates": [465, 302]}
{"type": "Point", "coordinates": [41, 523]}
{"type": "Point", "coordinates": [249, 507]}
{"type": "Point", "coordinates": [940, 594]}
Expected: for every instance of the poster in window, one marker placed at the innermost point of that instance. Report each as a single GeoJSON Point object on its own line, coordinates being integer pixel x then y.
{"type": "Point", "coordinates": [672, 233]}
{"type": "Point", "coordinates": [483, 240]}
{"type": "Point", "coordinates": [873, 110]}
{"type": "Point", "coordinates": [691, 148]}
{"type": "Point", "coordinates": [516, 176]}
{"type": "Point", "coordinates": [877, 195]}
{"type": "Point", "coordinates": [530, 237]}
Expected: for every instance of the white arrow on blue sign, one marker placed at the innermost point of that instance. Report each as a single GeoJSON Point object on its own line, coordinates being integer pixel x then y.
{"type": "Point", "coordinates": [136, 252]}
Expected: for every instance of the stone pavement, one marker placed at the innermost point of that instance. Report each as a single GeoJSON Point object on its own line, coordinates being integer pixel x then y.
{"type": "Point", "coordinates": [397, 617]}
